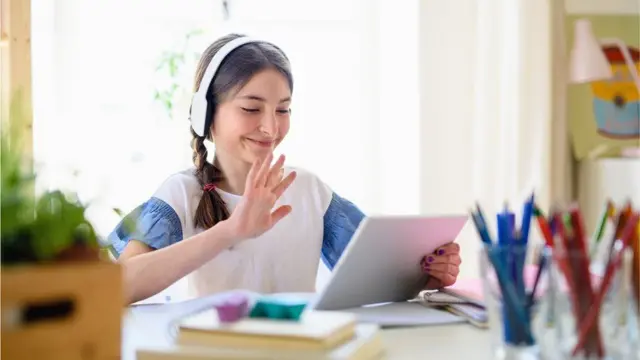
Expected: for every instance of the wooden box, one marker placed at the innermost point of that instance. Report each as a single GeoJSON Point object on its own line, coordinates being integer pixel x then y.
{"type": "Point", "coordinates": [64, 311]}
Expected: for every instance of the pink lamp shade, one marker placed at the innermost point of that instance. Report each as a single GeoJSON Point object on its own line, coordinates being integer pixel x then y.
{"type": "Point", "coordinates": [588, 61]}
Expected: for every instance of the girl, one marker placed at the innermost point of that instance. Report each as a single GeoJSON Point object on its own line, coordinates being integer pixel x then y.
{"type": "Point", "coordinates": [216, 222]}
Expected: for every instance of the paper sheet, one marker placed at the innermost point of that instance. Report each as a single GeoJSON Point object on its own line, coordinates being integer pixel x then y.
{"type": "Point", "coordinates": [404, 314]}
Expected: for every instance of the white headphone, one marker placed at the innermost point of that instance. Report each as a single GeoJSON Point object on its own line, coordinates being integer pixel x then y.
{"type": "Point", "coordinates": [201, 110]}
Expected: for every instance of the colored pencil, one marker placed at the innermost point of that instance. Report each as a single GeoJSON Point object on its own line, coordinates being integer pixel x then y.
{"type": "Point", "coordinates": [608, 213]}
{"type": "Point", "coordinates": [545, 229]}
{"type": "Point", "coordinates": [580, 257]}
{"type": "Point", "coordinates": [591, 320]}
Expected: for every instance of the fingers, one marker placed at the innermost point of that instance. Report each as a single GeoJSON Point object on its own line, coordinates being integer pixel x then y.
{"type": "Point", "coordinates": [445, 279]}
{"type": "Point", "coordinates": [280, 213]}
{"type": "Point", "coordinates": [276, 172]}
{"type": "Point", "coordinates": [446, 259]}
{"type": "Point", "coordinates": [252, 174]}
{"type": "Point", "coordinates": [445, 268]}
{"type": "Point", "coordinates": [445, 264]}
{"type": "Point", "coordinates": [261, 177]}
{"type": "Point", "coordinates": [284, 184]}
{"type": "Point", "coordinates": [448, 249]}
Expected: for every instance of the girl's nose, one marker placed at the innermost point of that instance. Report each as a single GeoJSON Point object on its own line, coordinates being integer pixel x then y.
{"type": "Point", "coordinates": [268, 124]}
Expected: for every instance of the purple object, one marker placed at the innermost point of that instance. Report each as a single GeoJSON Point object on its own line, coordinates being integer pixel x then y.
{"type": "Point", "coordinates": [232, 309]}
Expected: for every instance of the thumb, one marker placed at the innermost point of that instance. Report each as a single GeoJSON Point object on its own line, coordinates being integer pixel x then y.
{"type": "Point", "coordinates": [280, 213]}
{"type": "Point", "coordinates": [433, 283]}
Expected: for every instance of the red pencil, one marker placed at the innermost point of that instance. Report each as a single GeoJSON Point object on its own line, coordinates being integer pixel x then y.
{"type": "Point", "coordinates": [544, 227]}
{"type": "Point", "coordinates": [581, 262]}
{"type": "Point", "coordinates": [591, 318]}
{"type": "Point", "coordinates": [636, 265]}
{"type": "Point", "coordinates": [564, 259]}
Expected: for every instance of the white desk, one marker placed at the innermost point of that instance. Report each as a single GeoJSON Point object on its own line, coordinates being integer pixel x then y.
{"type": "Point", "coordinates": [150, 326]}
{"type": "Point", "coordinates": [460, 341]}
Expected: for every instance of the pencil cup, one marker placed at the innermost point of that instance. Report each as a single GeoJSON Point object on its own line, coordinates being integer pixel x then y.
{"type": "Point", "coordinates": [591, 316]}
{"type": "Point", "coordinates": [511, 292]}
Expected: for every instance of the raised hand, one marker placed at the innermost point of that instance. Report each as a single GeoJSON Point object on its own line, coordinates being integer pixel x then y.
{"type": "Point", "coordinates": [254, 214]}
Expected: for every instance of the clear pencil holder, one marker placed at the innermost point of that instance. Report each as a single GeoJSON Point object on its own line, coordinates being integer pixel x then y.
{"type": "Point", "coordinates": [580, 325]}
{"type": "Point", "coordinates": [511, 301]}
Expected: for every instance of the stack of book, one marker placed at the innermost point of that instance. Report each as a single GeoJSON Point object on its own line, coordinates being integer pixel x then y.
{"type": "Point", "coordinates": [316, 335]}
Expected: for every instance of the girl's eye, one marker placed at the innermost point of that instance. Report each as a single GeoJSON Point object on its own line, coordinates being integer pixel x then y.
{"type": "Point", "coordinates": [250, 110]}
{"type": "Point", "coordinates": [285, 111]}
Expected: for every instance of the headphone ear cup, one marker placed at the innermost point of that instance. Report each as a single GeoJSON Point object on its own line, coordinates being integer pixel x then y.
{"type": "Point", "coordinates": [197, 114]}
{"type": "Point", "coordinates": [211, 110]}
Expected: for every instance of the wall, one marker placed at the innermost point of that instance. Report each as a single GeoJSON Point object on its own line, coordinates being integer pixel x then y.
{"type": "Point", "coordinates": [588, 130]}
{"type": "Point", "coordinates": [610, 178]}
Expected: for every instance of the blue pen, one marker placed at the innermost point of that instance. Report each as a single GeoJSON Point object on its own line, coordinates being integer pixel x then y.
{"type": "Point", "coordinates": [481, 228]}
{"type": "Point", "coordinates": [506, 240]}
{"type": "Point", "coordinates": [542, 263]}
{"type": "Point", "coordinates": [481, 219]}
{"type": "Point", "coordinates": [505, 220]}
{"type": "Point", "coordinates": [527, 214]}
{"type": "Point", "coordinates": [514, 315]}
{"type": "Point", "coordinates": [505, 254]}
{"type": "Point", "coordinates": [512, 312]}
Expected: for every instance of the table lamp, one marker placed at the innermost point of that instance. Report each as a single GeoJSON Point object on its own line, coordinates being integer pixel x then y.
{"type": "Point", "coordinates": [589, 63]}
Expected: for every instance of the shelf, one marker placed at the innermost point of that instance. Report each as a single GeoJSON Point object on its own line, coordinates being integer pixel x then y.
{"type": "Point", "coordinates": [603, 7]}
{"type": "Point", "coordinates": [609, 178]}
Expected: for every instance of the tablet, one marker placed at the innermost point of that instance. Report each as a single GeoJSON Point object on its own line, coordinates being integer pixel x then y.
{"type": "Point", "coordinates": [382, 261]}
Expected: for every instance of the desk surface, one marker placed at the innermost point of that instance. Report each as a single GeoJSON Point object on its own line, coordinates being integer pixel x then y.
{"type": "Point", "coordinates": [150, 326]}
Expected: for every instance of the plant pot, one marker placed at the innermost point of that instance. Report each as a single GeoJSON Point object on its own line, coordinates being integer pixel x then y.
{"type": "Point", "coordinates": [65, 310]}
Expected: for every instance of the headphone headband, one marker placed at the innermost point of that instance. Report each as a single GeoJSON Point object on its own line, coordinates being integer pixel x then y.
{"type": "Point", "coordinates": [201, 112]}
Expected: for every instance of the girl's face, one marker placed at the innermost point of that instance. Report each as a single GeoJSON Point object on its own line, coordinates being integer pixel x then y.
{"type": "Point", "coordinates": [251, 123]}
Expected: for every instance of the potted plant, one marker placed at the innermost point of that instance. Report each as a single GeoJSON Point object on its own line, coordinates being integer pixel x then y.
{"type": "Point", "coordinates": [60, 299]}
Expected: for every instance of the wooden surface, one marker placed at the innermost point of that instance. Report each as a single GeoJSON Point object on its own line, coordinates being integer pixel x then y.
{"type": "Point", "coordinates": [91, 326]}
{"type": "Point", "coordinates": [15, 71]}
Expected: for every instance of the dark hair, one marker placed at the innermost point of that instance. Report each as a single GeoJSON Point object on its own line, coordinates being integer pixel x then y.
{"type": "Point", "coordinates": [234, 72]}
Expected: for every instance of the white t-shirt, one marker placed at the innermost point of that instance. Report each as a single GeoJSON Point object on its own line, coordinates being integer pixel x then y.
{"type": "Point", "coordinates": [283, 259]}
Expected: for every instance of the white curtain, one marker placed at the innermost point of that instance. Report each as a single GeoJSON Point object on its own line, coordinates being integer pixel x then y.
{"type": "Point", "coordinates": [518, 132]}
{"type": "Point", "coordinates": [515, 127]}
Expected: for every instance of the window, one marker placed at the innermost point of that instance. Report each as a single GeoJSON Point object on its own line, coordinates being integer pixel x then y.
{"type": "Point", "coordinates": [329, 43]}
{"type": "Point", "coordinates": [96, 81]}
{"type": "Point", "coordinates": [95, 113]}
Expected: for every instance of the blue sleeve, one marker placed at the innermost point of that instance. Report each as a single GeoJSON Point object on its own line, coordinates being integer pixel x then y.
{"type": "Point", "coordinates": [340, 223]}
{"type": "Point", "coordinates": [155, 223]}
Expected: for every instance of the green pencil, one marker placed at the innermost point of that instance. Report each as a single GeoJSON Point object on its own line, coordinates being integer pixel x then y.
{"type": "Point", "coordinates": [608, 212]}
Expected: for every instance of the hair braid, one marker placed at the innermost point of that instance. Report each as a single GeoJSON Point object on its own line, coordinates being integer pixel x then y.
{"type": "Point", "coordinates": [211, 209]}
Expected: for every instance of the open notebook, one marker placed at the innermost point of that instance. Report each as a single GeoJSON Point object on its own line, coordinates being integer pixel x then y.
{"type": "Point", "coordinates": [466, 298]}
{"type": "Point", "coordinates": [471, 311]}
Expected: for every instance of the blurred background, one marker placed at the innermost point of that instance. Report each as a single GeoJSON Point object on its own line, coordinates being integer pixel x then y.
{"type": "Point", "coordinates": [403, 107]}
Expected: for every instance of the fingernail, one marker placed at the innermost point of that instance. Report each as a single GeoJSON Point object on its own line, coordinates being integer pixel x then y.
{"type": "Point", "coordinates": [430, 259]}
{"type": "Point", "coordinates": [441, 252]}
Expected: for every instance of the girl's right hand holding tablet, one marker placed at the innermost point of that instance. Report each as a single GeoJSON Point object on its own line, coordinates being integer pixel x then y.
{"type": "Point", "coordinates": [254, 215]}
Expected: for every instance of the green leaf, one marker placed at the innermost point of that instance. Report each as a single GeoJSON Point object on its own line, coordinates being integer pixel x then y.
{"type": "Point", "coordinates": [35, 228]}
